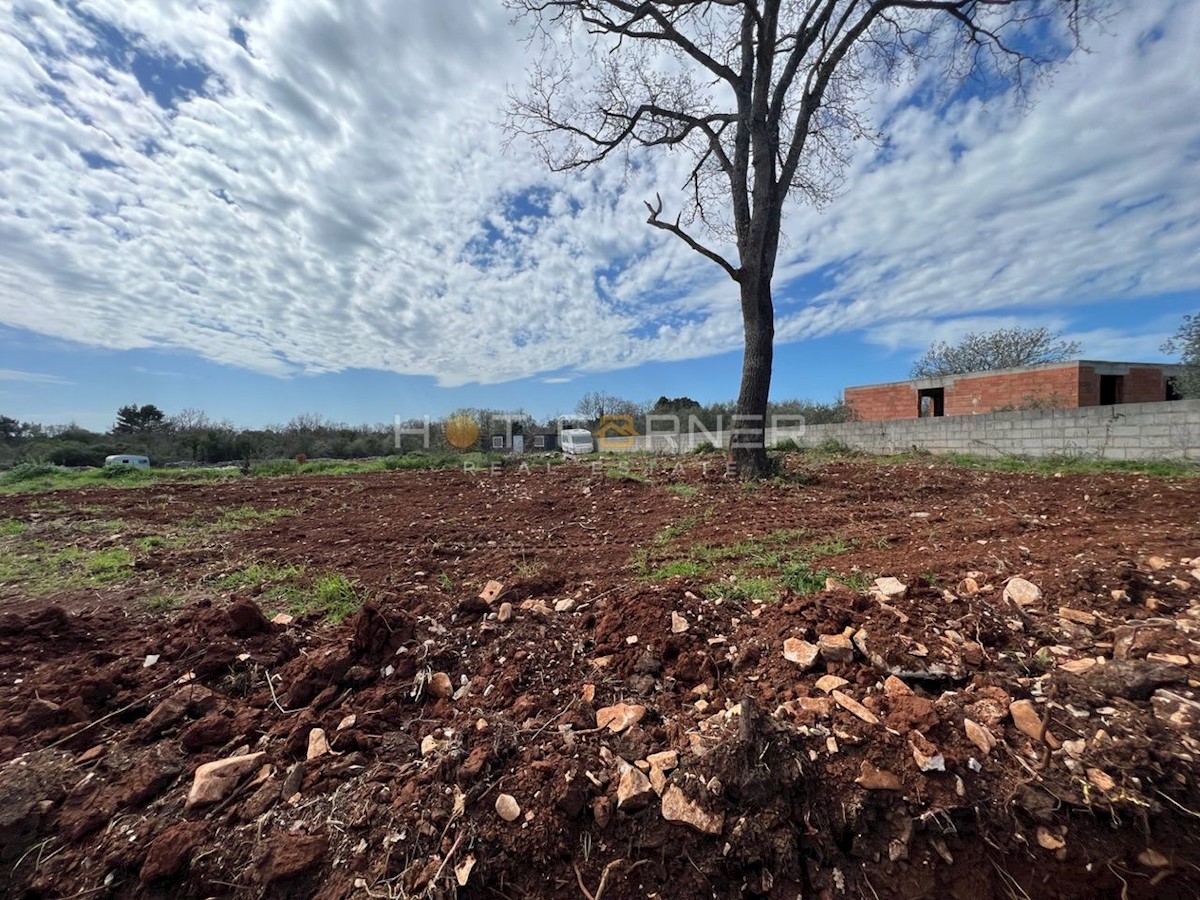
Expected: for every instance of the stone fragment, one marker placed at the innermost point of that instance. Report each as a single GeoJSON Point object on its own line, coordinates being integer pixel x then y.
{"type": "Point", "coordinates": [507, 807]}
{"type": "Point", "coordinates": [348, 722]}
{"type": "Point", "coordinates": [678, 807]}
{"type": "Point", "coordinates": [658, 780]}
{"type": "Point", "coordinates": [979, 736]}
{"type": "Point", "coordinates": [800, 652]}
{"type": "Point", "coordinates": [1101, 780]}
{"type": "Point", "coordinates": [565, 605]}
{"type": "Point", "coordinates": [491, 591]}
{"type": "Point", "coordinates": [835, 647]}
{"type": "Point", "coordinates": [1171, 659]}
{"type": "Point", "coordinates": [1074, 749]}
{"type": "Point", "coordinates": [440, 685]}
{"type": "Point", "coordinates": [430, 745]}
{"type": "Point", "coordinates": [214, 780]}
{"type": "Point", "coordinates": [1048, 840]}
{"type": "Point", "coordinates": [1025, 717]}
{"type": "Point", "coordinates": [829, 683]}
{"type": "Point", "coordinates": [1152, 859]}
{"type": "Point", "coordinates": [678, 623]}
{"type": "Point", "coordinates": [891, 587]}
{"type": "Point", "coordinates": [1157, 563]}
{"type": "Point", "coordinates": [1076, 615]}
{"type": "Point", "coordinates": [588, 692]}
{"type": "Point", "coordinates": [665, 760]}
{"type": "Point", "coordinates": [1119, 595]}
{"type": "Point", "coordinates": [1175, 710]}
{"type": "Point", "coordinates": [318, 744]}
{"type": "Point", "coordinates": [1022, 592]}
{"type": "Point", "coordinates": [875, 779]}
{"type": "Point", "coordinates": [1077, 666]}
{"type": "Point", "coordinates": [634, 791]}
{"type": "Point", "coordinates": [92, 754]}
{"type": "Point", "coordinates": [853, 706]}
{"type": "Point", "coordinates": [602, 811]}
{"type": "Point", "coordinates": [505, 612]}
{"type": "Point", "coordinates": [968, 587]}
{"type": "Point", "coordinates": [925, 754]}
{"type": "Point", "coordinates": [282, 619]}
{"type": "Point", "coordinates": [619, 717]}
{"type": "Point", "coordinates": [288, 855]}
{"type": "Point", "coordinates": [171, 851]}
{"type": "Point", "coordinates": [893, 687]}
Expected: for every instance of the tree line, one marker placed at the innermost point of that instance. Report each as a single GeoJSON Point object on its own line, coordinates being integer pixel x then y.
{"type": "Point", "coordinates": [191, 437]}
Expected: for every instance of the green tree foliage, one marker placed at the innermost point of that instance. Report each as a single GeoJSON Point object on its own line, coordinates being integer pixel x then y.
{"type": "Point", "coordinates": [1186, 345]}
{"type": "Point", "coordinates": [134, 419]}
{"type": "Point", "coordinates": [1004, 348]}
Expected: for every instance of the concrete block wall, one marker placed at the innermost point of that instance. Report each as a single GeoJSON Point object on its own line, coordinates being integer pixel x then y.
{"type": "Point", "coordinates": [1145, 431]}
{"type": "Point", "coordinates": [1139, 431]}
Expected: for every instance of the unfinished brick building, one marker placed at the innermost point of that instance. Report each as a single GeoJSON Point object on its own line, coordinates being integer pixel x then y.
{"type": "Point", "coordinates": [1065, 385]}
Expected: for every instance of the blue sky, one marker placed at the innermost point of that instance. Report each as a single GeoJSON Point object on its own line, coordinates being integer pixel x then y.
{"type": "Point", "coordinates": [261, 209]}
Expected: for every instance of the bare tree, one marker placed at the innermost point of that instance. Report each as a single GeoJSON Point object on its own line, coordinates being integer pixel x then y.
{"type": "Point", "coordinates": [1186, 344]}
{"type": "Point", "coordinates": [1004, 348]}
{"type": "Point", "coordinates": [766, 97]}
{"type": "Point", "coordinates": [595, 405]}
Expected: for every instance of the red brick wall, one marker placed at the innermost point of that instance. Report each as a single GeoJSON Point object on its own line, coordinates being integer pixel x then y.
{"type": "Point", "coordinates": [1054, 388]}
{"type": "Point", "coordinates": [888, 401]}
{"type": "Point", "coordinates": [1145, 385]}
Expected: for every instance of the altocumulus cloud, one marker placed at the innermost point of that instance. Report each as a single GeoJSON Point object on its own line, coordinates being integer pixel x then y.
{"type": "Point", "coordinates": [307, 187]}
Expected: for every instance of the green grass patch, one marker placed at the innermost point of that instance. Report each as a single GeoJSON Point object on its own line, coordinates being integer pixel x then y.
{"type": "Point", "coordinates": [754, 589]}
{"type": "Point", "coordinates": [1074, 465]}
{"type": "Point", "coordinates": [334, 595]}
{"type": "Point", "coordinates": [258, 575]}
{"type": "Point", "coordinates": [164, 603]}
{"type": "Point", "coordinates": [11, 527]}
{"type": "Point", "coordinates": [41, 568]}
{"type": "Point", "coordinates": [686, 491]}
{"type": "Point", "coordinates": [680, 568]}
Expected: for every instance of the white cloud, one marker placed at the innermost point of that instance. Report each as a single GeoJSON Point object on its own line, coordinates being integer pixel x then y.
{"type": "Point", "coordinates": [30, 377]}
{"type": "Point", "coordinates": [337, 198]}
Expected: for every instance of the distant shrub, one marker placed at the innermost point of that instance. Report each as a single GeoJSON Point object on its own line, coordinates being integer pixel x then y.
{"type": "Point", "coordinates": [301, 459]}
{"type": "Point", "coordinates": [834, 447]}
{"type": "Point", "coordinates": [704, 447]}
{"type": "Point", "coordinates": [29, 471]}
{"type": "Point", "coordinates": [787, 445]}
{"type": "Point", "coordinates": [275, 467]}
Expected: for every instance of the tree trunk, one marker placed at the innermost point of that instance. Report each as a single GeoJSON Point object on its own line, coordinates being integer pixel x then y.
{"type": "Point", "coordinates": [748, 451]}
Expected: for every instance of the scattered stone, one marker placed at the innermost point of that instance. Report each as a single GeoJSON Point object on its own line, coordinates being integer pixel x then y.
{"type": "Point", "coordinates": [1074, 749]}
{"type": "Point", "coordinates": [678, 623]}
{"type": "Point", "coordinates": [835, 647]}
{"type": "Point", "coordinates": [491, 591]}
{"type": "Point", "coordinates": [282, 619]}
{"type": "Point", "coordinates": [875, 779]}
{"type": "Point", "coordinates": [634, 791]}
{"type": "Point", "coordinates": [440, 685]}
{"type": "Point", "coordinates": [505, 612]}
{"type": "Point", "coordinates": [891, 587]}
{"type": "Point", "coordinates": [619, 717]}
{"type": "Point", "coordinates": [800, 652]}
{"type": "Point", "coordinates": [349, 722]}
{"type": "Point", "coordinates": [507, 807]}
{"type": "Point", "coordinates": [665, 760]}
{"type": "Point", "coordinates": [829, 683]}
{"type": "Point", "coordinates": [91, 754]}
{"type": "Point", "coordinates": [588, 692]}
{"type": "Point", "coordinates": [1119, 595]}
{"type": "Point", "coordinates": [833, 584]}
{"type": "Point", "coordinates": [677, 807]}
{"type": "Point", "coordinates": [1171, 659]}
{"type": "Point", "coordinates": [1076, 615]}
{"type": "Point", "coordinates": [318, 744]}
{"type": "Point", "coordinates": [1022, 592]}
{"type": "Point", "coordinates": [430, 745]}
{"type": "Point", "coordinates": [1048, 840]}
{"type": "Point", "coordinates": [979, 736]}
{"type": "Point", "coordinates": [1175, 710]}
{"type": "Point", "coordinates": [150, 660]}
{"type": "Point", "coordinates": [1101, 780]}
{"type": "Point", "coordinates": [925, 754]}
{"type": "Point", "coordinates": [1157, 563]}
{"type": "Point", "coordinates": [602, 811]}
{"type": "Point", "coordinates": [1152, 859]}
{"type": "Point", "coordinates": [1078, 666]}
{"type": "Point", "coordinates": [1180, 584]}
{"type": "Point", "coordinates": [171, 851]}
{"type": "Point", "coordinates": [968, 587]}
{"type": "Point", "coordinates": [213, 781]}
{"type": "Point", "coordinates": [288, 855]}
{"type": "Point", "coordinates": [1025, 717]}
{"type": "Point", "coordinates": [658, 780]}
{"type": "Point", "coordinates": [853, 706]}
{"type": "Point", "coordinates": [565, 605]}
{"type": "Point", "coordinates": [893, 687]}
{"type": "Point", "coordinates": [631, 640]}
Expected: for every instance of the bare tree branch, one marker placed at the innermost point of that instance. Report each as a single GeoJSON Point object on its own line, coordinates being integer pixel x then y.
{"type": "Point", "coordinates": [656, 211]}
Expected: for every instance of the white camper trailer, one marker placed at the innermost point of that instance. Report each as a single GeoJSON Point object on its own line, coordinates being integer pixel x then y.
{"type": "Point", "coordinates": [128, 459]}
{"type": "Point", "coordinates": [573, 441]}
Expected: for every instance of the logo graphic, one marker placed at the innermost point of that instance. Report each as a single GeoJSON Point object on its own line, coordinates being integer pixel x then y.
{"type": "Point", "coordinates": [616, 433]}
{"type": "Point", "coordinates": [461, 432]}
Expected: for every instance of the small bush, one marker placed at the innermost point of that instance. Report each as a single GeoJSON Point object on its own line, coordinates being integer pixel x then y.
{"type": "Point", "coordinates": [275, 467]}
{"type": "Point", "coordinates": [787, 445]}
{"type": "Point", "coordinates": [704, 447]}
{"type": "Point", "coordinates": [30, 471]}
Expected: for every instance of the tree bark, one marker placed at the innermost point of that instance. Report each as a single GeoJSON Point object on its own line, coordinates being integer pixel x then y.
{"type": "Point", "coordinates": [748, 452]}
